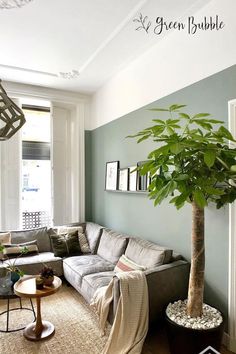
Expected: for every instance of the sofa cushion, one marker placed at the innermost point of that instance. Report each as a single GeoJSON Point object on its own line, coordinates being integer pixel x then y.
{"type": "Point", "coordinates": [93, 233]}
{"type": "Point", "coordinates": [84, 246]}
{"type": "Point", "coordinates": [84, 265]}
{"type": "Point", "coordinates": [40, 235]}
{"type": "Point", "coordinates": [94, 281]}
{"type": "Point", "coordinates": [125, 264]}
{"type": "Point", "coordinates": [25, 249]}
{"type": "Point", "coordinates": [112, 245]}
{"type": "Point", "coordinates": [33, 264]}
{"type": "Point", "coordinates": [65, 245]}
{"type": "Point", "coordinates": [147, 254]}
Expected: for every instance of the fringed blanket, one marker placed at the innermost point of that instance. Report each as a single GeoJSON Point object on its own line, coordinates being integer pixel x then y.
{"type": "Point", "coordinates": [130, 325]}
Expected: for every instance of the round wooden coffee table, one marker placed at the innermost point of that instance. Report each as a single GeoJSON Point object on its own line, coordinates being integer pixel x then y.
{"type": "Point", "coordinates": [26, 287]}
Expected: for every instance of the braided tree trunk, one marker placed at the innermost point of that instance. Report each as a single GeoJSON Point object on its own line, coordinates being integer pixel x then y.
{"type": "Point", "coordinates": [196, 280]}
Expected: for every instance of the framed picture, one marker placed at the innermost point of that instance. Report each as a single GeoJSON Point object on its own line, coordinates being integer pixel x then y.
{"type": "Point", "coordinates": [111, 179]}
{"type": "Point", "coordinates": [123, 179]}
{"type": "Point", "coordinates": [132, 178]}
{"type": "Point", "coordinates": [142, 182]}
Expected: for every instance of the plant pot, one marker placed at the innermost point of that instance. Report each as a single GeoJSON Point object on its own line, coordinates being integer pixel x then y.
{"type": "Point", "coordinates": [48, 281]}
{"type": "Point", "coordinates": [192, 341]}
{"type": "Point", "coordinates": [14, 277]}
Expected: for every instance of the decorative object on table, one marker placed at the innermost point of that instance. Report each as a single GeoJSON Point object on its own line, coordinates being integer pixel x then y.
{"type": "Point", "coordinates": [11, 266]}
{"type": "Point", "coordinates": [47, 275]}
{"type": "Point", "coordinates": [133, 178]}
{"type": "Point", "coordinates": [111, 180]}
{"type": "Point", "coordinates": [39, 282]}
{"type": "Point", "coordinates": [11, 116]}
{"type": "Point", "coordinates": [12, 4]}
{"type": "Point", "coordinates": [123, 179]}
{"type": "Point", "coordinates": [191, 149]}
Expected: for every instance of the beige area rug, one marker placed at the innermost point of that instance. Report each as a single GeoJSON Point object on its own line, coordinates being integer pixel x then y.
{"type": "Point", "coordinates": [76, 326]}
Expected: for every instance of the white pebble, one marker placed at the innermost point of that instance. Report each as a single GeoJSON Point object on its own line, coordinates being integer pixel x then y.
{"type": "Point", "coordinates": [177, 312]}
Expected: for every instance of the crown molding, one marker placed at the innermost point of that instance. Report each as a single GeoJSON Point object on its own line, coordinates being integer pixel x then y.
{"type": "Point", "coordinates": [20, 90]}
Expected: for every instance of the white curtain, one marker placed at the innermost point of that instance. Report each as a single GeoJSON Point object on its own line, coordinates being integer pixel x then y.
{"type": "Point", "coordinates": [66, 159]}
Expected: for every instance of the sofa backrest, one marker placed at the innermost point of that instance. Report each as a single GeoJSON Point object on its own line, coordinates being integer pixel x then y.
{"type": "Point", "coordinates": [93, 233]}
{"type": "Point", "coordinates": [39, 234]}
{"type": "Point", "coordinates": [112, 245]}
{"type": "Point", "coordinates": [146, 253]}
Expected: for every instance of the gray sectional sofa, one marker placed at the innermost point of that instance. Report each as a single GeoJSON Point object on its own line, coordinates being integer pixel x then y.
{"type": "Point", "coordinates": [166, 272]}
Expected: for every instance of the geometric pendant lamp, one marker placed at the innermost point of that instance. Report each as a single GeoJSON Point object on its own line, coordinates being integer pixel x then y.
{"type": "Point", "coordinates": [11, 4]}
{"type": "Point", "coordinates": [11, 116]}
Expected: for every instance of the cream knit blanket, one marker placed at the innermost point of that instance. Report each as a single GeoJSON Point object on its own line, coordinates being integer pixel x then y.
{"type": "Point", "coordinates": [130, 325]}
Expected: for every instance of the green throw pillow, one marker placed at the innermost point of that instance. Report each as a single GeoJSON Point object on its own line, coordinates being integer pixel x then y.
{"type": "Point", "coordinates": [65, 245]}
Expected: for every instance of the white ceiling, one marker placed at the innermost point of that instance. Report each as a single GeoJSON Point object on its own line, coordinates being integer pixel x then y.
{"type": "Point", "coordinates": [95, 37]}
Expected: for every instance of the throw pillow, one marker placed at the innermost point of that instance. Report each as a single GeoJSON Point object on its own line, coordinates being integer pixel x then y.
{"type": "Point", "coordinates": [84, 246]}
{"type": "Point", "coordinates": [15, 250]}
{"type": "Point", "coordinates": [125, 264]}
{"type": "Point", "coordinates": [5, 239]}
{"type": "Point", "coordinates": [65, 245]}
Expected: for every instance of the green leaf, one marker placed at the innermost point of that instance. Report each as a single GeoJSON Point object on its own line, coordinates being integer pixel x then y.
{"type": "Point", "coordinates": [225, 133]}
{"type": "Point", "coordinates": [182, 177]}
{"type": "Point", "coordinates": [145, 137]}
{"type": "Point", "coordinates": [165, 191]}
{"type": "Point", "coordinates": [201, 115]}
{"type": "Point", "coordinates": [159, 109]}
{"type": "Point", "coordinates": [215, 121]}
{"type": "Point", "coordinates": [184, 115]}
{"type": "Point", "coordinates": [209, 158]}
{"type": "Point", "coordinates": [233, 168]}
{"type": "Point", "coordinates": [174, 107]}
{"type": "Point", "coordinates": [203, 124]}
{"type": "Point", "coordinates": [170, 130]}
{"type": "Point", "coordinates": [214, 191]}
{"type": "Point", "coordinates": [162, 122]}
{"type": "Point", "coordinates": [199, 198]}
{"type": "Point", "coordinates": [176, 148]}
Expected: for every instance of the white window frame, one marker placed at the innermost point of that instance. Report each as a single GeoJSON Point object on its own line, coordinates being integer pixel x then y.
{"type": "Point", "coordinates": [232, 248]}
{"type": "Point", "coordinates": [80, 104]}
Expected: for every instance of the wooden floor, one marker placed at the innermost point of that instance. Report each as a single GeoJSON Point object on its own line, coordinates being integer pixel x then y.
{"type": "Point", "coordinates": [156, 343]}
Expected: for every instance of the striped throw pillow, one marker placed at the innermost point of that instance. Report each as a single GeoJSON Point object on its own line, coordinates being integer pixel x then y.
{"type": "Point", "coordinates": [126, 265]}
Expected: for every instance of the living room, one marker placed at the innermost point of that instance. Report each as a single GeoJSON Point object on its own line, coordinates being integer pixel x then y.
{"type": "Point", "coordinates": [100, 70]}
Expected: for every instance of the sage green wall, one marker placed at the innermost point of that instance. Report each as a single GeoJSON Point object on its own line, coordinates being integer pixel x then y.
{"type": "Point", "coordinates": [135, 214]}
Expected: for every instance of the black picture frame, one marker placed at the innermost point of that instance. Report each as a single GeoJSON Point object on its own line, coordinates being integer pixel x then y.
{"type": "Point", "coordinates": [142, 181]}
{"type": "Point", "coordinates": [133, 178]}
{"type": "Point", "coordinates": [111, 175]}
{"type": "Point", "coordinates": [123, 179]}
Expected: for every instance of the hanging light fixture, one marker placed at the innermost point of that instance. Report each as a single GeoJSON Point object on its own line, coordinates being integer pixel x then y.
{"type": "Point", "coordinates": [11, 116]}
{"type": "Point", "coordinates": [11, 4]}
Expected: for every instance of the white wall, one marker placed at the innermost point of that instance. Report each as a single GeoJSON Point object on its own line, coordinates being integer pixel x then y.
{"type": "Point", "coordinates": [173, 63]}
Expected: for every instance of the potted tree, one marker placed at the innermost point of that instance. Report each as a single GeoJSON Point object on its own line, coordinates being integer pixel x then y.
{"type": "Point", "coordinates": [193, 163]}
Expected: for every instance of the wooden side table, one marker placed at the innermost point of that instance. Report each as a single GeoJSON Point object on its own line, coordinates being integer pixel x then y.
{"type": "Point", "coordinates": [26, 287]}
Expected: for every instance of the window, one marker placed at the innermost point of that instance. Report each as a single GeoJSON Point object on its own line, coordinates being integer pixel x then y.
{"type": "Point", "coordinates": [36, 168]}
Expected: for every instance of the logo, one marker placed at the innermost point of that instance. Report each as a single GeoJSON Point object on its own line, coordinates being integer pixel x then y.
{"type": "Point", "coordinates": [209, 350]}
